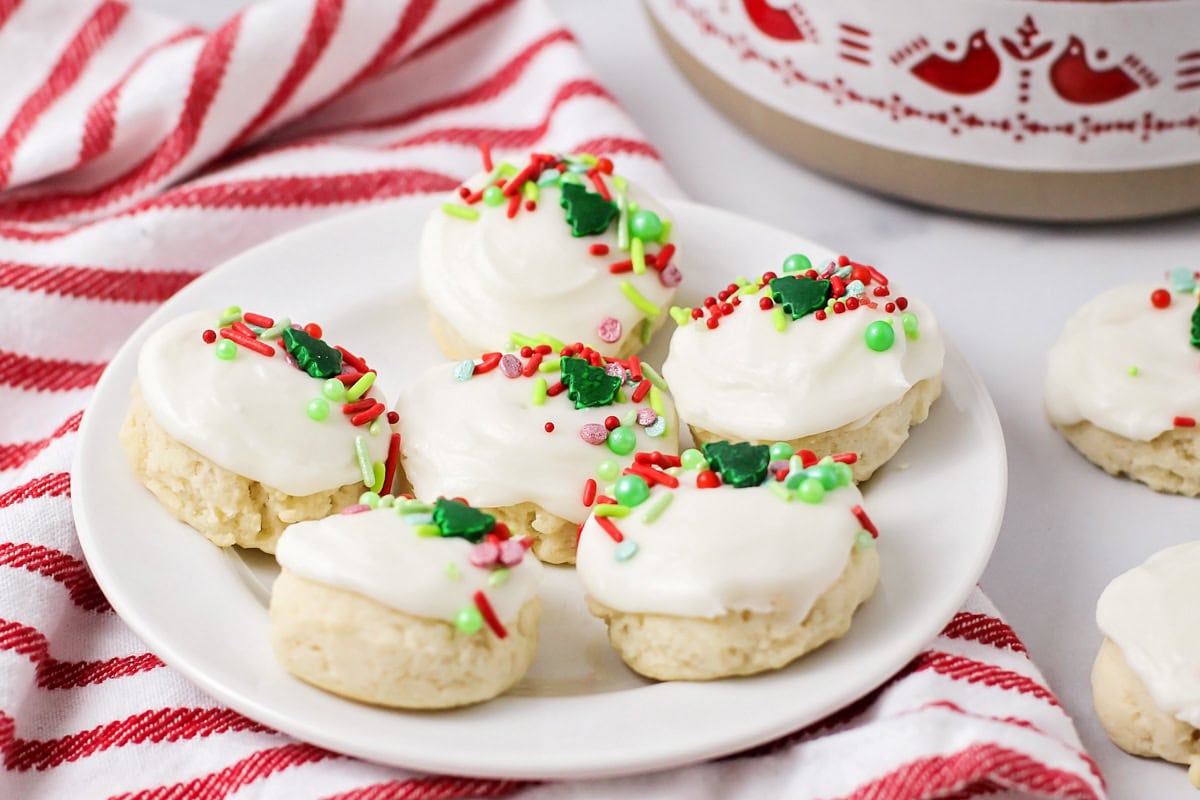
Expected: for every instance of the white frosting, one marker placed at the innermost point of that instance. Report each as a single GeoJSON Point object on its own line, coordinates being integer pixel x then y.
{"type": "Point", "coordinates": [747, 380]}
{"type": "Point", "coordinates": [1150, 613]}
{"type": "Point", "coordinates": [378, 555]}
{"type": "Point", "coordinates": [1088, 374]}
{"type": "Point", "coordinates": [494, 275]}
{"type": "Point", "coordinates": [485, 439]}
{"type": "Point", "coordinates": [713, 551]}
{"type": "Point", "coordinates": [249, 414]}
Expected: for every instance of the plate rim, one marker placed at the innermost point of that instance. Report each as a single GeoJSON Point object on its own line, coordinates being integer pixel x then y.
{"type": "Point", "coordinates": [714, 746]}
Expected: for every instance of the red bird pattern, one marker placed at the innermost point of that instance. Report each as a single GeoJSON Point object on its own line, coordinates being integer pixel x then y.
{"type": "Point", "coordinates": [975, 72]}
{"type": "Point", "coordinates": [774, 19]}
{"type": "Point", "coordinates": [1076, 82]}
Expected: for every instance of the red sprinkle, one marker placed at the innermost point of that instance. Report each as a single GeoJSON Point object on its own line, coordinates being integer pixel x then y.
{"type": "Point", "coordinates": [589, 492]}
{"type": "Point", "coordinates": [664, 257]}
{"type": "Point", "coordinates": [611, 422]}
{"type": "Point", "coordinates": [544, 349]}
{"type": "Point", "coordinates": [514, 205]}
{"type": "Point", "coordinates": [605, 165]}
{"type": "Point", "coordinates": [635, 367]}
{"type": "Point", "coordinates": [712, 323]}
{"type": "Point", "coordinates": [889, 307]}
{"type": "Point", "coordinates": [351, 359]}
{"type": "Point", "coordinates": [851, 303]}
{"type": "Point", "coordinates": [1185, 422]}
{"type": "Point", "coordinates": [604, 499]}
{"type": "Point", "coordinates": [370, 415]}
{"type": "Point", "coordinates": [556, 388]}
{"type": "Point", "coordinates": [314, 330]}
{"type": "Point", "coordinates": [618, 267]}
{"type": "Point", "coordinates": [393, 458]}
{"type": "Point", "coordinates": [697, 313]}
{"type": "Point", "coordinates": [393, 417]}
{"type": "Point", "coordinates": [839, 307]}
{"type": "Point", "coordinates": [209, 336]}
{"type": "Point", "coordinates": [513, 187]}
{"type": "Point", "coordinates": [488, 363]}
{"type": "Point", "coordinates": [765, 303]}
{"type": "Point", "coordinates": [244, 330]}
{"type": "Point", "coordinates": [358, 405]}
{"type": "Point", "coordinates": [532, 364]}
{"type": "Point", "coordinates": [843, 261]}
{"type": "Point", "coordinates": [610, 528]}
{"type": "Point", "coordinates": [464, 192]}
{"type": "Point", "coordinates": [598, 182]}
{"type": "Point", "coordinates": [652, 475]}
{"type": "Point", "coordinates": [641, 391]}
{"type": "Point", "coordinates": [485, 152]}
{"type": "Point", "coordinates": [248, 342]}
{"type": "Point", "coordinates": [1160, 298]}
{"type": "Point", "coordinates": [549, 427]}
{"type": "Point", "coordinates": [489, 615]}
{"type": "Point", "coordinates": [807, 458]}
{"type": "Point", "coordinates": [598, 249]}
{"type": "Point", "coordinates": [865, 521]}
{"type": "Point", "coordinates": [707, 479]}
{"type": "Point", "coordinates": [846, 458]}
{"type": "Point", "coordinates": [901, 303]}
{"type": "Point", "coordinates": [258, 319]}
{"type": "Point", "coordinates": [820, 313]}
{"type": "Point", "coordinates": [880, 291]}
{"type": "Point", "coordinates": [526, 351]}
{"type": "Point", "coordinates": [349, 378]}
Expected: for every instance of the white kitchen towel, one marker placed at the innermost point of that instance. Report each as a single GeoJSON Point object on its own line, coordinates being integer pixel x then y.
{"type": "Point", "coordinates": [137, 153]}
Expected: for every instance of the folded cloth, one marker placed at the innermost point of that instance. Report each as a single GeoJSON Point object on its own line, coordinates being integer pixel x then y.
{"type": "Point", "coordinates": [137, 153]}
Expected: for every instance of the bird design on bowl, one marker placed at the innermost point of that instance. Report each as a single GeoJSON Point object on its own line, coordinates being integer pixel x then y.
{"type": "Point", "coordinates": [974, 72]}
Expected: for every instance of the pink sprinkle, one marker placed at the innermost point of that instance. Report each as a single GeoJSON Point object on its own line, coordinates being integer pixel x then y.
{"type": "Point", "coordinates": [609, 330]}
{"type": "Point", "coordinates": [511, 552]}
{"type": "Point", "coordinates": [357, 508]}
{"type": "Point", "coordinates": [593, 433]}
{"type": "Point", "coordinates": [510, 365]}
{"type": "Point", "coordinates": [646, 416]}
{"type": "Point", "coordinates": [670, 276]}
{"type": "Point", "coordinates": [484, 555]}
{"type": "Point", "coordinates": [616, 370]}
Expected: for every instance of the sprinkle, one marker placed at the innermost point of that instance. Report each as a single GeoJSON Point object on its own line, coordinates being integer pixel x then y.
{"type": "Point", "coordinates": [468, 620]}
{"type": "Point", "coordinates": [547, 339]}
{"type": "Point", "coordinates": [393, 459]}
{"type": "Point", "coordinates": [637, 256]}
{"type": "Point", "coordinates": [609, 528]}
{"type": "Point", "coordinates": [670, 276]}
{"type": "Point", "coordinates": [539, 391]}
{"type": "Point", "coordinates": [364, 460]}
{"type": "Point", "coordinates": [489, 615]}
{"type": "Point", "coordinates": [682, 316]}
{"type": "Point", "coordinates": [350, 409]}
{"type": "Point", "coordinates": [209, 336]}
{"type": "Point", "coordinates": [521, 340]}
{"type": "Point", "coordinates": [589, 492]}
{"type": "Point", "coordinates": [510, 365]}
{"type": "Point", "coordinates": [612, 510]}
{"type": "Point", "coordinates": [656, 400]}
{"type": "Point", "coordinates": [488, 363]}
{"type": "Point", "coordinates": [512, 551]}
{"type": "Point", "coordinates": [550, 365]}
{"type": "Point", "coordinates": [276, 330]}
{"type": "Point", "coordinates": [666, 231]}
{"type": "Point", "coordinates": [653, 476]}
{"type": "Point", "coordinates": [625, 550]}
{"type": "Point", "coordinates": [645, 416]}
{"type": "Point", "coordinates": [622, 217]}
{"type": "Point", "coordinates": [360, 387]}
{"type": "Point", "coordinates": [1183, 279]}
{"type": "Point", "coordinates": [663, 259]}
{"type": "Point", "coordinates": [499, 577]}
{"type": "Point", "coordinates": [657, 506]}
{"type": "Point", "coordinates": [865, 521]}
{"type": "Point", "coordinates": [427, 530]}
{"type": "Point", "coordinates": [452, 571]}
{"type": "Point", "coordinates": [531, 191]}
{"type": "Point", "coordinates": [556, 388]}
{"type": "Point", "coordinates": [780, 490]}
{"type": "Point", "coordinates": [609, 330]}
{"type": "Point", "coordinates": [379, 471]}
{"type": "Point", "coordinates": [351, 359]}
{"type": "Point", "coordinates": [318, 409]}
{"type": "Point", "coordinates": [863, 540]}
{"type": "Point", "coordinates": [638, 299]}
{"type": "Point", "coordinates": [593, 433]}
{"type": "Point", "coordinates": [369, 415]}
{"type": "Point", "coordinates": [485, 153]}
{"type": "Point", "coordinates": [413, 507]}
{"type": "Point", "coordinates": [463, 370]}
{"type": "Point", "coordinates": [257, 319]}
{"type": "Point", "coordinates": [248, 342]}
{"type": "Point", "coordinates": [462, 212]}
{"type": "Point", "coordinates": [484, 554]}
{"type": "Point", "coordinates": [532, 365]}
{"type": "Point", "coordinates": [374, 428]}
{"type": "Point", "coordinates": [357, 508]}
{"type": "Point", "coordinates": [229, 316]}
{"type": "Point", "coordinates": [1133, 372]}
{"type": "Point", "coordinates": [778, 319]}
{"type": "Point", "coordinates": [657, 428]}
{"type": "Point", "coordinates": [1182, 422]}
{"type": "Point", "coordinates": [598, 249]}
{"type": "Point", "coordinates": [840, 458]}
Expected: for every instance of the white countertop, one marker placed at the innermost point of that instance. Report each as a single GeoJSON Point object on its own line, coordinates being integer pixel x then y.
{"type": "Point", "coordinates": [1001, 290]}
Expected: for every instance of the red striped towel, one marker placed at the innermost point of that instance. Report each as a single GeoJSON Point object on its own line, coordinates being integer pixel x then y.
{"type": "Point", "coordinates": [137, 153]}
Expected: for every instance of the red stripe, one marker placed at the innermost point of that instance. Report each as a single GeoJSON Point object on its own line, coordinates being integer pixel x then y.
{"type": "Point", "coordinates": [101, 121]}
{"type": "Point", "coordinates": [934, 775]}
{"type": "Point", "coordinates": [222, 783]}
{"type": "Point", "coordinates": [7, 7]}
{"type": "Point", "coordinates": [960, 668]}
{"type": "Point", "coordinates": [434, 787]}
{"type": "Point", "coordinates": [60, 567]}
{"type": "Point", "coordinates": [165, 724]}
{"type": "Point", "coordinates": [56, 484]}
{"type": "Point", "coordinates": [410, 21]}
{"type": "Point", "coordinates": [286, 192]}
{"type": "Point", "coordinates": [206, 81]}
{"type": "Point", "coordinates": [94, 283]}
{"type": "Point", "coordinates": [324, 21]}
{"type": "Point", "coordinates": [88, 39]}
{"type": "Point", "coordinates": [985, 630]}
{"type": "Point", "coordinates": [616, 145]}
{"type": "Point", "coordinates": [54, 674]}
{"type": "Point", "coordinates": [465, 24]}
{"type": "Point", "coordinates": [14, 455]}
{"type": "Point", "coordinates": [46, 374]}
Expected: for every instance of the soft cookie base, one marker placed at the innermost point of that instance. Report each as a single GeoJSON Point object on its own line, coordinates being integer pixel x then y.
{"type": "Point", "coordinates": [226, 507]}
{"type": "Point", "coordinates": [355, 647]}
{"type": "Point", "coordinates": [1133, 721]}
{"type": "Point", "coordinates": [1170, 462]}
{"type": "Point", "coordinates": [672, 648]}
{"type": "Point", "coordinates": [874, 443]}
{"type": "Point", "coordinates": [553, 537]}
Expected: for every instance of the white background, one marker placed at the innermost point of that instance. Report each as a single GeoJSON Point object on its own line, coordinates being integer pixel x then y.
{"type": "Point", "coordinates": [1001, 291]}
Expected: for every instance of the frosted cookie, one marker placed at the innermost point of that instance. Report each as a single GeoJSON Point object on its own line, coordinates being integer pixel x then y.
{"type": "Point", "coordinates": [559, 245]}
{"type": "Point", "coordinates": [406, 604]}
{"type": "Point", "coordinates": [1145, 683]}
{"type": "Point", "coordinates": [829, 360]}
{"type": "Point", "coordinates": [740, 560]}
{"type": "Point", "coordinates": [522, 434]}
{"type": "Point", "coordinates": [1123, 383]}
{"type": "Point", "coordinates": [241, 424]}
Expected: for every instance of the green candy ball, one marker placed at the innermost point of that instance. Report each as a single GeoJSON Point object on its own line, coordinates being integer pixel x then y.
{"type": "Point", "coordinates": [226, 350]}
{"type": "Point", "coordinates": [826, 474]}
{"type": "Point", "coordinates": [334, 390]}
{"type": "Point", "coordinates": [909, 321]}
{"type": "Point", "coordinates": [370, 499]}
{"type": "Point", "coordinates": [693, 459]}
{"type": "Point", "coordinates": [845, 475]}
{"type": "Point", "coordinates": [880, 336]}
{"type": "Point", "coordinates": [493, 195]}
{"type": "Point", "coordinates": [631, 490]}
{"type": "Point", "coordinates": [621, 440]}
{"type": "Point", "coordinates": [318, 408]}
{"type": "Point", "coordinates": [468, 619]}
{"type": "Point", "coordinates": [608, 470]}
{"type": "Point", "coordinates": [811, 490]}
{"type": "Point", "coordinates": [781, 451]}
{"type": "Point", "coordinates": [797, 262]}
{"type": "Point", "coordinates": [646, 225]}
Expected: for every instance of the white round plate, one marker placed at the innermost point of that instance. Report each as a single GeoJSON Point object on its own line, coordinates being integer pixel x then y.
{"type": "Point", "coordinates": [579, 712]}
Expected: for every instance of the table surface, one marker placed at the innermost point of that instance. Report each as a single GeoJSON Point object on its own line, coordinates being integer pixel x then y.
{"type": "Point", "coordinates": [1002, 292]}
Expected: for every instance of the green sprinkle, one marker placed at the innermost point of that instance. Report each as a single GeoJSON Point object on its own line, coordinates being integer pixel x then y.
{"type": "Point", "coordinates": [611, 510]}
{"type": "Point", "coordinates": [521, 340]}
{"type": "Point", "coordinates": [498, 578]}
{"type": "Point", "coordinates": [530, 190]}
{"type": "Point", "coordinates": [608, 470]}
{"type": "Point", "coordinates": [550, 177]}
{"type": "Point", "coordinates": [549, 365]}
{"type": "Point", "coordinates": [797, 262]}
{"type": "Point", "coordinates": [1133, 372]}
{"type": "Point", "coordinates": [908, 321]}
{"type": "Point", "coordinates": [369, 499]}
{"type": "Point", "coordinates": [646, 330]}
{"type": "Point", "coordinates": [625, 550]}
{"type": "Point", "coordinates": [276, 330]}
{"type": "Point", "coordinates": [555, 344]}
{"type": "Point", "coordinates": [656, 399]}
{"type": "Point", "coordinates": [619, 183]}
{"type": "Point", "coordinates": [493, 195]}
{"type": "Point", "coordinates": [386, 501]}
{"type": "Point", "coordinates": [864, 540]}
{"type": "Point", "coordinates": [665, 236]}
{"type": "Point", "coordinates": [880, 335]}
{"type": "Point", "coordinates": [539, 391]}
{"type": "Point", "coordinates": [462, 212]}
{"type": "Point", "coordinates": [691, 459]}
{"type": "Point", "coordinates": [414, 507]}
{"type": "Point", "coordinates": [655, 379]}
{"type": "Point", "coordinates": [364, 461]}
{"type": "Point", "coordinates": [752, 288]}
{"type": "Point", "coordinates": [629, 418]}
{"type": "Point", "coordinates": [226, 350]}
{"type": "Point", "coordinates": [620, 396]}
{"type": "Point", "coordinates": [637, 253]}
{"type": "Point", "coordinates": [318, 409]}
{"type": "Point", "coordinates": [379, 469]}
{"type": "Point", "coordinates": [587, 158]}
{"type": "Point", "coordinates": [781, 451]}
{"type": "Point", "coordinates": [360, 386]}
{"type": "Point", "coordinates": [810, 490]}
{"type": "Point", "coordinates": [229, 316]}
{"type": "Point", "coordinates": [569, 178]}
{"type": "Point", "coordinates": [505, 169]}
{"type": "Point", "coordinates": [657, 506]}
{"type": "Point", "coordinates": [427, 530]}
{"type": "Point", "coordinates": [779, 319]}
{"type": "Point", "coordinates": [621, 440]}
{"type": "Point", "coordinates": [334, 390]}
{"type": "Point", "coordinates": [374, 428]}
{"type": "Point", "coordinates": [622, 219]}
{"type": "Point", "coordinates": [452, 571]}
{"type": "Point", "coordinates": [779, 490]}
{"type": "Point", "coordinates": [638, 299]}
{"type": "Point", "coordinates": [468, 620]}
{"type": "Point", "coordinates": [682, 316]}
